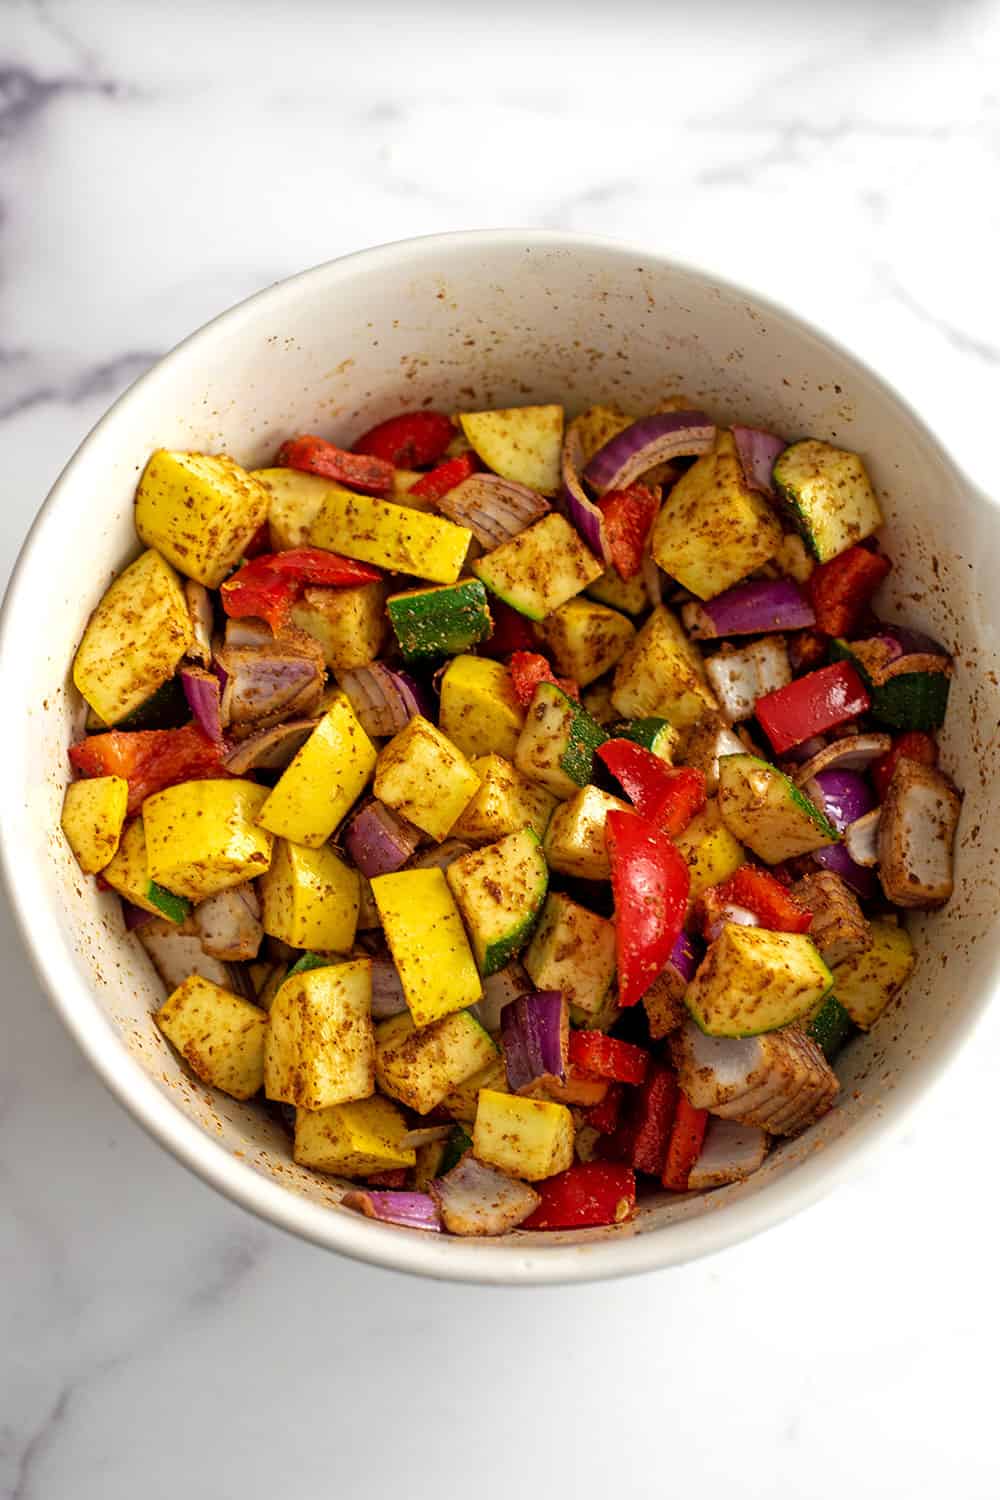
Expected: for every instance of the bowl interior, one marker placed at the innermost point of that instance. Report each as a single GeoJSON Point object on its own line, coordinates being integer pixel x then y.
{"type": "Point", "coordinates": [470, 321]}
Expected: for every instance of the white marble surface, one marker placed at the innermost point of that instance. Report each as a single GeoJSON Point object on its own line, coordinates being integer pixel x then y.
{"type": "Point", "coordinates": [160, 162]}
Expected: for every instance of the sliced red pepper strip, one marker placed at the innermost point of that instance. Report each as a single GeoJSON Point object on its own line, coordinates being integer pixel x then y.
{"type": "Point", "coordinates": [149, 759]}
{"type": "Point", "coordinates": [628, 515]}
{"type": "Point", "coordinates": [686, 1140]}
{"type": "Point", "coordinates": [268, 586]}
{"type": "Point", "coordinates": [604, 1116]}
{"type": "Point", "coordinates": [913, 745]}
{"type": "Point", "coordinates": [446, 476]}
{"type": "Point", "coordinates": [669, 796]}
{"type": "Point", "coordinates": [607, 1057]}
{"type": "Point", "coordinates": [511, 631]}
{"type": "Point", "coordinates": [812, 705]}
{"type": "Point", "coordinates": [529, 668]}
{"type": "Point", "coordinates": [410, 441]}
{"type": "Point", "coordinates": [651, 881]}
{"type": "Point", "coordinates": [584, 1196]}
{"type": "Point", "coordinates": [840, 590]}
{"type": "Point", "coordinates": [772, 903]}
{"type": "Point", "coordinates": [358, 471]}
{"type": "Point", "coordinates": [642, 1134]}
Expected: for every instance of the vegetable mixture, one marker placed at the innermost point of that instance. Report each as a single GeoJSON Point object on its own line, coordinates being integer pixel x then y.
{"type": "Point", "coordinates": [523, 813]}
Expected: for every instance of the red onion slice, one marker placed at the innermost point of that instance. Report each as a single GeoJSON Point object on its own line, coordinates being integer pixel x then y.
{"type": "Point", "coordinates": [650, 441]}
{"type": "Point", "coordinates": [494, 509]}
{"type": "Point", "coordinates": [843, 796]}
{"type": "Point", "coordinates": [855, 752]}
{"type": "Point", "coordinates": [574, 502]}
{"type": "Point", "coordinates": [731, 1153]}
{"type": "Point", "coordinates": [684, 959]}
{"type": "Point", "coordinates": [836, 858]}
{"type": "Point", "coordinates": [269, 749]}
{"type": "Point", "coordinates": [750, 609]}
{"type": "Point", "coordinates": [409, 1210]}
{"type": "Point", "coordinates": [203, 692]}
{"type": "Point", "coordinates": [387, 990]}
{"type": "Point", "coordinates": [425, 1135]}
{"type": "Point", "coordinates": [378, 841]}
{"type": "Point", "coordinates": [475, 1199]}
{"type": "Point", "coordinates": [861, 838]}
{"type": "Point", "coordinates": [758, 452]}
{"type": "Point", "coordinates": [384, 700]}
{"type": "Point", "coordinates": [199, 603]}
{"type": "Point", "coordinates": [228, 924]}
{"type": "Point", "coordinates": [534, 1031]}
{"type": "Point", "coordinates": [730, 913]}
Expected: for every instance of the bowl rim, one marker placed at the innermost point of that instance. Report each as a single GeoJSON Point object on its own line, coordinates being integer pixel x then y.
{"type": "Point", "coordinates": [442, 1257]}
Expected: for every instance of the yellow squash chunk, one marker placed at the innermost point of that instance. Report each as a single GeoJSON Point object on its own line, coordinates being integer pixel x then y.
{"type": "Point", "coordinates": [866, 983]}
{"type": "Point", "coordinates": [309, 898]}
{"type": "Point", "coordinates": [428, 943]}
{"type": "Point", "coordinates": [522, 443]}
{"type": "Point", "coordinates": [539, 569]}
{"type": "Point", "coordinates": [352, 1140]}
{"type": "Point", "coordinates": [586, 639]}
{"type": "Point", "coordinates": [661, 675]}
{"type": "Point", "coordinates": [525, 1137]}
{"type": "Point", "coordinates": [295, 502]}
{"type": "Point", "coordinates": [480, 712]}
{"type": "Point", "coordinates": [420, 1066]}
{"type": "Point", "coordinates": [390, 536]}
{"type": "Point", "coordinates": [711, 851]}
{"type": "Point", "coordinates": [461, 1101]}
{"type": "Point", "coordinates": [93, 816]}
{"type": "Point", "coordinates": [597, 426]}
{"type": "Point", "coordinates": [219, 1035]}
{"type": "Point", "coordinates": [349, 623]}
{"type": "Point", "coordinates": [128, 872]}
{"type": "Point", "coordinates": [574, 840]}
{"type": "Point", "coordinates": [134, 639]}
{"type": "Point", "coordinates": [201, 836]}
{"type": "Point", "coordinates": [317, 790]}
{"type": "Point", "coordinates": [200, 510]}
{"type": "Point", "coordinates": [505, 802]}
{"type": "Point", "coordinates": [320, 1041]}
{"type": "Point", "coordinates": [752, 980]}
{"type": "Point", "coordinates": [421, 775]}
{"type": "Point", "coordinates": [713, 529]}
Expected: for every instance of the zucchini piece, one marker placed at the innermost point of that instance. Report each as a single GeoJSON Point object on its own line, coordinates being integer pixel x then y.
{"type": "Point", "coordinates": [480, 712]}
{"type": "Point", "coordinates": [316, 791]}
{"type": "Point", "coordinates": [428, 944]}
{"type": "Point", "coordinates": [662, 673]}
{"type": "Point", "coordinates": [499, 890]}
{"type": "Point", "coordinates": [907, 699]}
{"type": "Point", "coordinates": [573, 950]}
{"type": "Point", "coordinates": [310, 898]}
{"type": "Point", "coordinates": [711, 851]}
{"type": "Point", "coordinates": [556, 746]}
{"type": "Point", "coordinates": [521, 443]}
{"type": "Point", "coordinates": [654, 734]}
{"type": "Point", "coordinates": [867, 982]}
{"type": "Point", "coordinates": [220, 1036]}
{"type": "Point", "coordinates": [626, 594]}
{"type": "Point", "coordinates": [422, 776]}
{"type": "Point", "coordinates": [574, 842]}
{"type": "Point", "coordinates": [829, 1026]}
{"type": "Point", "coordinates": [528, 1138]}
{"type": "Point", "coordinates": [296, 499]}
{"type": "Point", "coordinates": [174, 908]}
{"type": "Point", "coordinates": [505, 802]}
{"type": "Point", "coordinates": [352, 1140]}
{"type": "Point", "coordinates": [539, 569]}
{"type": "Point", "coordinates": [828, 495]}
{"type": "Point", "coordinates": [167, 708]}
{"type": "Point", "coordinates": [419, 1067]}
{"type": "Point", "coordinates": [393, 537]}
{"type": "Point", "coordinates": [752, 980]}
{"type": "Point", "coordinates": [586, 639]}
{"type": "Point", "coordinates": [455, 1148]}
{"type": "Point", "coordinates": [765, 810]}
{"type": "Point", "coordinates": [440, 621]}
{"type": "Point", "coordinates": [93, 816]}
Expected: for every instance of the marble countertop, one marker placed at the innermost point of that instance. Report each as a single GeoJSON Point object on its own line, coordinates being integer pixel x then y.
{"type": "Point", "coordinates": [161, 162]}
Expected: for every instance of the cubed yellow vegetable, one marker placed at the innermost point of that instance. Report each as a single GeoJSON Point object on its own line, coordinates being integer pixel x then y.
{"type": "Point", "coordinates": [574, 840]}
{"type": "Point", "coordinates": [128, 872]}
{"type": "Point", "coordinates": [597, 426]}
{"type": "Point", "coordinates": [219, 1035]}
{"type": "Point", "coordinates": [525, 1137]}
{"type": "Point", "coordinates": [423, 777]}
{"type": "Point", "coordinates": [93, 816]}
{"type": "Point", "coordinates": [461, 1101]}
{"type": "Point", "coordinates": [321, 1042]}
{"type": "Point", "coordinates": [420, 1066]}
{"type": "Point", "coordinates": [586, 639]}
{"type": "Point", "coordinates": [309, 898]}
{"type": "Point", "coordinates": [628, 594]}
{"type": "Point", "coordinates": [134, 639]}
{"type": "Point", "coordinates": [295, 501]}
{"type": "Point", "coordinates": [661, 675]}
{"type": "Point", "coordinates": [866, 983]}
{"type": "Point", "coordinates": [201, 836]}
{"type": "Point", "coordinates": [523, 443]}
{"type": "Point", "coordinates": [752, 980]}
{"type": "Point", "coordinates": [480, 712]}
{"type": "Point", "coordinates": [200, 510]}
{"type": "Point", "coordinates": [390, 536]}
{"type": "Point", "coordinates": [352, 1140]}
{"type": "Point", "coordinates": [713, 529]}
{"type": "Point", "coordinates": [505, 802]}
{"type": "Point", "coordinates": [573, 950]}
{"type": "Point", "coordinates": [349, 623]}
{"type": "Point", "coordinates": [712, 853]}
{"type": "Point", "coordinates": [428, 943]}
{"type": "Point", "coordinates": [325, 779]}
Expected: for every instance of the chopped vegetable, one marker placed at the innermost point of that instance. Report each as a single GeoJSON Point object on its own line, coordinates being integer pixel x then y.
{"type": "Point", "coordinates": [811, 705]}
{"type": "Point", "coordinates": [495, 510]}
{"type": "Point", "coordinates": [779, 1081]}
{"type": "Point", "coordinates": [352, 1140]}
{"type": "Point", "coordinates": [527, 669]}
{"type": "Point", "coordinates": [765, 810]}
{"type": "Point", "coordinates": [410, 1210]}
{"type": "Point", "coordinates": [413, 440]}
{"type": "Point", "coordinates": [752, 980]}
{"type": "Point", "coordinates": [585, 1196]}
{"type": "Point", "coordinates": [229, 924]}
{"type": "Point", "coordinates": [668, 797]}
{"type": "Point", "coordinates": [499, 890]}
{"type": "Point", "coordinates": [750, 609]}
{"type": "Point", "coordinates": [220, 1036]}
{"type": "Point", "coordinates": [370, 475]}
{"type": "Point", "coordinates": [378, 841]}
{"type": "Point", "coordinates": [93, 817]}
{"type": "Point", "coordinates": [730, 1153]}
{"type": "Point", "coordinates": [575, 841]}
{"type": "Point", "coordinates": [203, 836]}
{"type": "Point", "coordinates": [320, 1047]}
{"type": "Point", "coordinates": [855, 752]}
{"type": "Point", "coordinates": [200, 511]}
{"type": "Point", "coordinates": [628, 515]}
{"type": "Point", "coordinates": [326, 777]}
{"type": "Point", "coordinates": [540, 568]}
{"type": "Point", "coordinates": [651, 883]}
{"type": "Point", "coordinates": [440, 621]}
{"type": "Point", "coordinates": [477, 1199]}
{"type": "Point", "coordinates": [914, 745]}
{"type": "Point", "coordinates": [838, 928]}
{"type": "Point", "coordinates": [420, 1065]}
{"type": "Point", "coordinates": [423, 777]}
{"type": "Point", "coordinates": [442, 480]}
{"type": "Point", "coordinates": [425, 934]}
{"type": "Point", "coordinates": [529, 1138]}
{"type": "Point", "coordinates": [841, 590]}
{"type": "Point", "coordinates": [557, 743]}
{"type": "Point", "coordinates": [684, 1148]}
{"type": "Point", "coordinates": [384, 700]}
{"type": "Point", "coordinates": [572, 950]}
{"type": "Point", "coordinates": [607, 1057]}
{"type": "Point", "coordinates": [641, 1138]}
{"type": "Point", "coordinates": [586, 639]}
{"type": "Point", "coordinates": [522, 443]}
{"type": "Point", "coordinates": [869, 980]}
{"type": "Point", "coordinates": [534, 1031]}
{"type": "Point", "coordinates": [661, 673]}
{"type": "Point", "coordinates": [828, 495]}
{"type": "Point", "coordinates": [775, 907]}
{"type": "Point", "coordinates": [504, 802]}
{"type": "Point", "coordinates": [742, 675]}
{"type": "Point", "coordinates": [268, 586]}
{"type": "Point", "coordinates": [390, 536]}
{"type": "Point", "coordinates": [916, 836]}
{"type": "Point", "coordinates": [642, 445]}
{"type": "Point", "coordinates": [310, 898]}
{"type": "Point", "coordinates": [758, 452]}
{"type": "Point", "coordinates": [481, 712]}
{"type": "Point", "coordinates": [907, 691]}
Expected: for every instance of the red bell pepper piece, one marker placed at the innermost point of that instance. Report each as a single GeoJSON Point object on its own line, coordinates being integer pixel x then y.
{"type": "Point", "coordinates": [446, 476]}
{"type": "Point", "coordinates": [913, 745]}
{"type": "Point", "coordinates": [607, 1057]}
{"type": "Point", "coordinates": [686, 1139]}
{"type": "Point", "coordinates": [628, 515]}
{"type": "Point", "coordinates": [149, 759]}
{"type": "Point", "coordinates": [584, 1196]}
{"type": "Point", "coordinates": [772, 903]}
{"type": "Point", "coordinates": [392, 1177]}
{"type": "Point", "coordinates": [527, 669]}
{"type": "Point", "coordinates": [651, 881]}
{"type": "Point", "coordinates": [260, 542]}
{"type": "Point", "coordinates": [410, 441]}
{"type": "Point", "coordinates": [812, 705]}
{"type": "Point", "coordinates": [358, 471]}
{"type": "Point", "coordinates": [668, 796]}
{"type": "Point", "coordinates": [841, 589]}
{"type": "Point", "coordinates": [642, 1135]}
{"type": "Point", "coordinates": [511, 631]}
{"type": "Point", "coordinates": [268, 586]}
{"type": "Point", "coordinates": [604, 1116]}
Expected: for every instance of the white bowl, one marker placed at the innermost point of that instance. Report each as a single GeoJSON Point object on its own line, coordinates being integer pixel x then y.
{"type": "Point", "coordinates": [472, 320]}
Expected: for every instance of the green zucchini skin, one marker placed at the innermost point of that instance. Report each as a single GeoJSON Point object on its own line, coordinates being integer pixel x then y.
{"type": "Point", "coordinates": [584, 738]}
{"type": "Point", "coordinates": [174, 908]}
{"type": "Point", "coordinates": [307, 961]}
{"type": "Point", "coordinates": [830, 1027]}
{"type": "Point", "coordinates": [912, 700]}
{"type": "Point", "coordinates": [455, 1148]}
{"type": "Point", "coordinates": [440, 621]}
{"type": "Point", "coordinates": [652, 734]}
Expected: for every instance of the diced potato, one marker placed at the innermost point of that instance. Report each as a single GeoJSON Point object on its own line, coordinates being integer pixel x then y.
{"type": "Point", "coordinates": [349, 623]}
{"type": "Point", "coordinates": [321, 1042]}
{"type": "Point", "coordinates": [712, 853]}
{"type": "Point", "coordinates": [522, 443]}
{"type": "Point", "coordinates": [390, 536]}
{"type": "Point", "coordinates": [480, 712]}
{"type": "Point", "coordinates": [93, 816]}
{"type": "Point", "coordinates": [627, 594]}
{"type": "Point", "coordinates": [865, 984]}
{"type": "Point", "coordinates": [573, 950]}
{"type": "Point", "coordinates": [219, 1035]}
{"type": "Point", "coordinates": [428, 943]}
{"type": "Point", "coordinates": [586, 639]}
{"type": "Point", "coordinates": [327, 776]}
{"type": "Point", "coordinates": [505, 802]}
{"type": "Point", "coordinates": [128, 872]}
{"type": "Point", "coordinates": [462, 1100]}
{"type": "Point", "coordinates": [574, 842]}
{"type": "Point", "coordinates": [713, 529]}
{"type": "Point", "coordinates": [661, 674]}
{"type": "Point", "coordinates": [752, 980]}
{"type": "Point", "coordinates": [540, 568]}
{"type": "Point", "coordinates": [296, 499]}
{"type": "Point", "coordinates": [420, 1066]}
{"type": "Point", "coordinates": [201, 836]}
{"type": "Point", "coordinates": [352, 1140]}
{"type": "Point", "coordinates": [421, 775]}
{"type": "Point", "coordinates": [526, 1137]}
{"type": "Point", "coordinates": [309, 898]}
{"type": "Point", "coordinates": [134, 639]}
{"type": "Point", "coordinates": [200, 510]}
